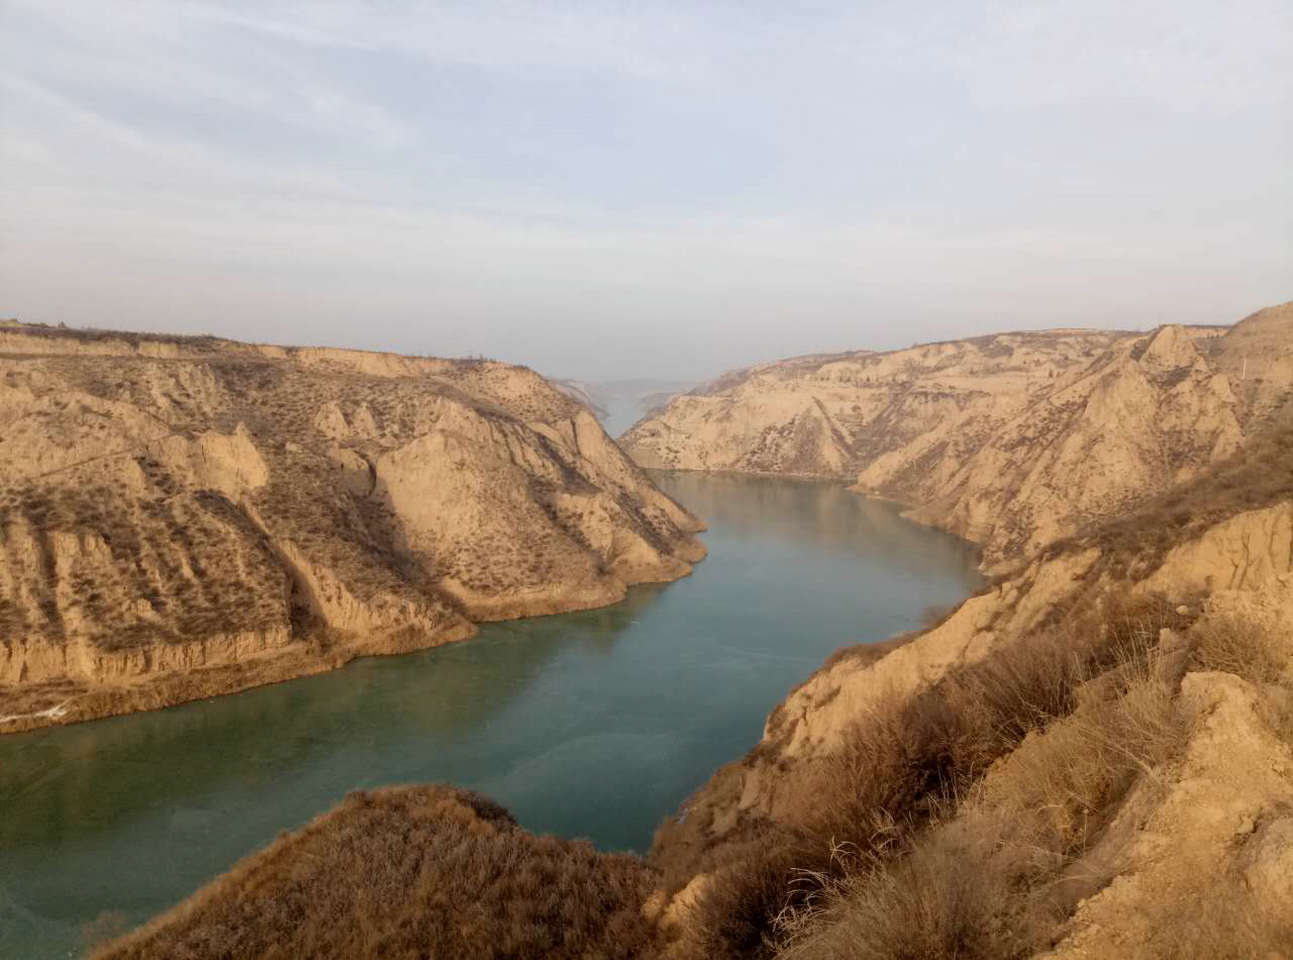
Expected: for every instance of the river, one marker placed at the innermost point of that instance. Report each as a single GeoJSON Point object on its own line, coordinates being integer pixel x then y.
{"type": "Point", "coordinates": [593, 724]}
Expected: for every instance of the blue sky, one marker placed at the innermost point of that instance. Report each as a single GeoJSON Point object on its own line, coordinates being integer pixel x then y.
{"type": "Point", "coordinates": [604, 190]}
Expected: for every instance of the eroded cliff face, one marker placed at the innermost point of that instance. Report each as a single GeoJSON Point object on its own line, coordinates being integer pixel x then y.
{"type": "Point", "coordinates": [1012, 441]}
{"type": "Point", "coordinates": [182, 517]}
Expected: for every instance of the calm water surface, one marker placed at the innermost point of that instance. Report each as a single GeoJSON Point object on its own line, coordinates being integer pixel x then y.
{"type": "Point", "coordinates": [593, 724]}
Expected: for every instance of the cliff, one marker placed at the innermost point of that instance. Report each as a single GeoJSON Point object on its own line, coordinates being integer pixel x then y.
{"type": "Point", "coordinates": [1012, 441]}
{"type": "Point", "coordinates": [183, 517]}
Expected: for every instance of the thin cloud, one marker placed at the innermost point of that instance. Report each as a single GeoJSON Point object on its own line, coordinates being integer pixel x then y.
{"type": "Point", "coordinates": [586, 188]}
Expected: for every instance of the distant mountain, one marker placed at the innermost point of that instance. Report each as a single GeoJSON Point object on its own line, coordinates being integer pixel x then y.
{"type": "Point", "coordinates": [621, 403]}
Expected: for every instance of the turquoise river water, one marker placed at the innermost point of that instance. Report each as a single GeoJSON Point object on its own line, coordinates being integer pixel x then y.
{"type": "Point", "coordinates": [595, 724]}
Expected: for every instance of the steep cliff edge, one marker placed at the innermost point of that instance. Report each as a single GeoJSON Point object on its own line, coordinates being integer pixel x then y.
{"type": "Point", "coordinates": [1012, 441]}
{"type": "Point", "coordinates": [189, 516]}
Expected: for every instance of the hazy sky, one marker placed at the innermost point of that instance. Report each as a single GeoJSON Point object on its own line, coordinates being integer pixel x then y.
{"type": "Point", "coordinates": [602, 190]}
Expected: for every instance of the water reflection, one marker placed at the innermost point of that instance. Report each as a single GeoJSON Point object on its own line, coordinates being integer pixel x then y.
{"type": "Point", "coordinates": [823, 513]}
{"type": "Point", "coordinates": [595, 723]}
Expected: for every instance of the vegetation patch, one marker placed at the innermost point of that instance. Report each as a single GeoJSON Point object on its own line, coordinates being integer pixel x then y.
{"type": "Point", "coordinates": [411, 872]}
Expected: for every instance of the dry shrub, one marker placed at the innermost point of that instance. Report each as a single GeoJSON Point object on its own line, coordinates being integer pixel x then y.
{"type": "Point", "coordinates": [425, 872]}
{"type": "Point", "coordinates": [905, 759]}
{"type": "Point", "coordinates": [929, 904]}
{"type": "Point", "coordinates": [1240, 647]}
{"type": "Point", "coordinates": [747, 893]}
{"type": "Point", "coordinates": [996, 878]}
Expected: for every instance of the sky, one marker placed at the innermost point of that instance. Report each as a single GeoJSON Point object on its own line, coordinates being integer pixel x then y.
{"type": "Point", "coordinates": [609, 190]}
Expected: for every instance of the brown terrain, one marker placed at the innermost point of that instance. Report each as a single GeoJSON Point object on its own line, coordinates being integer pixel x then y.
{"type": "Point", "coordinates": [1091, 759]}
{"type": "Point", "coordinates": [184, 517]}
{"type": "Point", "coordinates": [423, 873]}
{"type": "Point", "coordinates": [1009, 440]}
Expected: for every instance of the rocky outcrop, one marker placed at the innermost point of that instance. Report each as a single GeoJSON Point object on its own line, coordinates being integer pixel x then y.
{"type": "Point", "coordinates": [187, 516]}
{"type": "Point", "coordinates": [1012, 441]}
{"type": "Point", "coordinates": [1210, 842]}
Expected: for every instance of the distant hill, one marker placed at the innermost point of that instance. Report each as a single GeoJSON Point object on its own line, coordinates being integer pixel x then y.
{"type": "Point", "coordinates": [621, 403]}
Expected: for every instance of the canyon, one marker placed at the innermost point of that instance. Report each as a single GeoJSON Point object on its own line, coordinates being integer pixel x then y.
{"type": "Point", "coordinates": [1090, 758]}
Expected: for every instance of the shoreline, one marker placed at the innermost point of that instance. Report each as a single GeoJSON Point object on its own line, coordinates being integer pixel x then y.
{"type": "Point", "coordinates": [163, 691]}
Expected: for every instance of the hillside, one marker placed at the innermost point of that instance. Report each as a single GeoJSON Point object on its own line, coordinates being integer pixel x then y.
{"type": "Point", "coordinates": [1011, 441]}
{"type": "Point", "coordinates": [412, 872]}
{"type": "Point", "coordinates": [189, 516]}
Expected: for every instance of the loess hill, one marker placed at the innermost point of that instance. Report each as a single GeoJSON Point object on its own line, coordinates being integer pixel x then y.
{"type": "Point", "coordinates": [181, 517]}
{"type": "Point", "coordinates": [1010, 440]}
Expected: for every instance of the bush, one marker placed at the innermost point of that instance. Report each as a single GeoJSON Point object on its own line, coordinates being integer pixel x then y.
{"type": "Point", "coordinates": [1239, 647]}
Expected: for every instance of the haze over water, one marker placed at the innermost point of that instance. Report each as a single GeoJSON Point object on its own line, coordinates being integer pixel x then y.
{"type": "Point", "coordinates": [593, 724]}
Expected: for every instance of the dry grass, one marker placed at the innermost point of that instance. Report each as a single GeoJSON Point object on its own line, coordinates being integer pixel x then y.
{"type": "Point", "coordinates": [994, 876]}
{"type": "Point", "coordinates": [905, 765]}
{"type": "Point", "coordinates": [1235, 646]}
{"type": "Point", "coordinates": [415, 872]}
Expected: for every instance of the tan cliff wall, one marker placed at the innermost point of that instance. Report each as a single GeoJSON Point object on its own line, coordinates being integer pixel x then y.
{"type": "Point", "coordinates": [1012, 441]}
{"type": "Point", "coordinates": [187, 516]}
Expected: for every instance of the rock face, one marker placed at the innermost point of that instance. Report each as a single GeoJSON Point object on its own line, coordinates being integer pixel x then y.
{"type": "Point", "coordinates": [188, 516]}
{"type": "Point", "coordinates": [1012, 441]}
